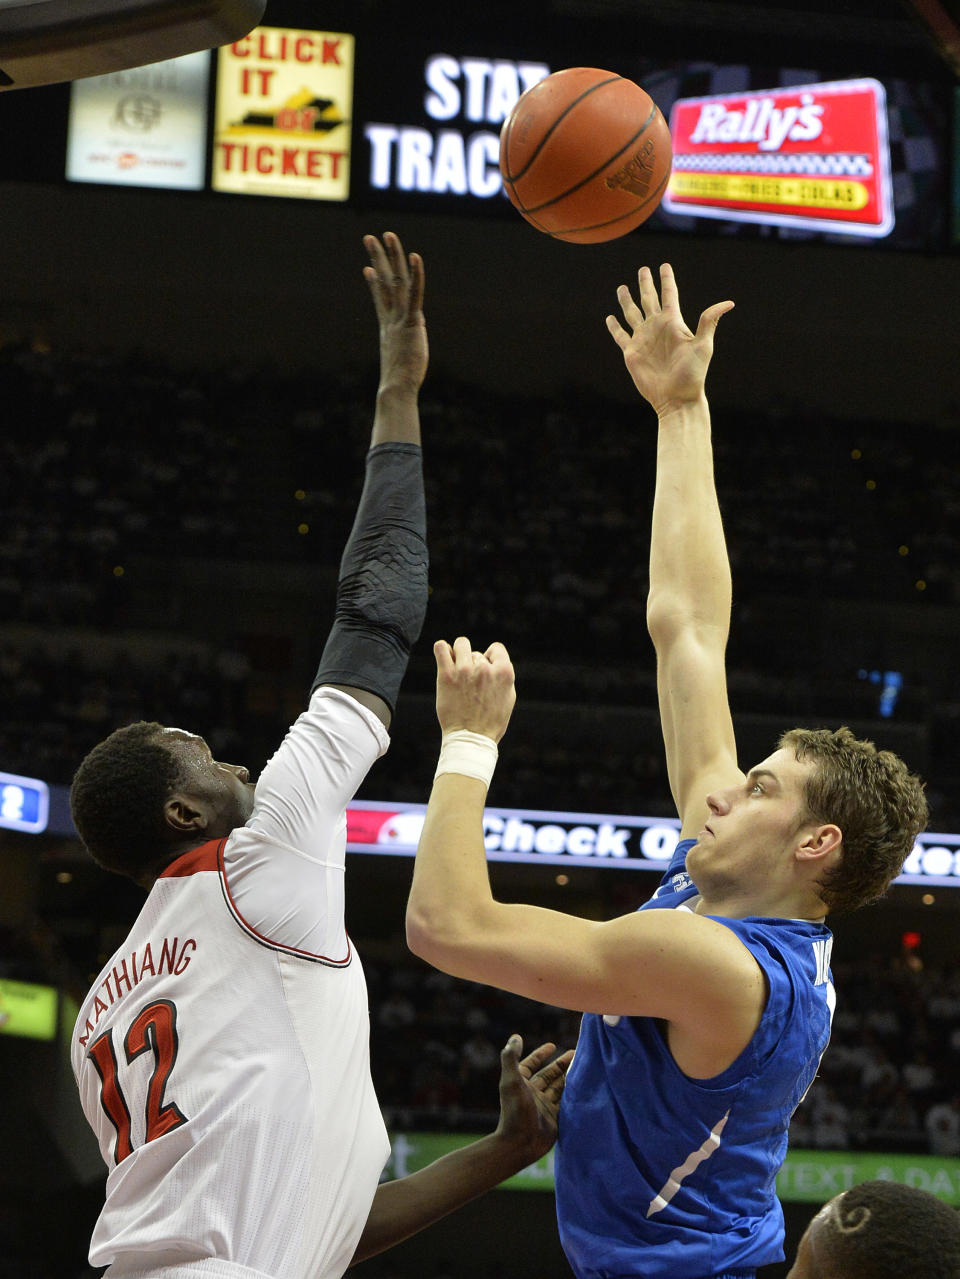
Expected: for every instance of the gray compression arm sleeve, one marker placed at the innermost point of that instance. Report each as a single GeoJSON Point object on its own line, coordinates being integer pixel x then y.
{"type": "Point", "coordinates": [382, 592]}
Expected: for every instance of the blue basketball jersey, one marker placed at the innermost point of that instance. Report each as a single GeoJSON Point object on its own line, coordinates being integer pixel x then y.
{"type": "Point", "coordinates": [659, 1176]}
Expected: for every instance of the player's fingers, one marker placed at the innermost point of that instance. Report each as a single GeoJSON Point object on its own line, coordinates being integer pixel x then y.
{"type": "Point", "coordinates": [535, 1061]}
{"type": "Point", "coordinates": [378, 273]}
{"type": "Point", "coordinates": [617, 332]}
{"type": "Point", "coordinates": [711, 317]}
{"type": "Point", "coordinates": [444, 655]}
{"type": "Point", "coordinates": [417, 284]}
{"type": "Point", "coordinates": [497, 653]}
{"type": "Point", "coordinates": [462, 651]}
{"type": "Point", "coordinates": [553, 1076]}
{"type": "Point", "coordinates": [373, 280]}
{"type": "Point", "coordinates": [379, 258]}
{"type": "Point", "coordinates": [398, 260]}
{"type": "Point", "coordinates": [511, 1050]}
{"type": "Point", "coordinates": [668, 291]}
{"type": "Point", "coordinates": [631, 312]}
{"type": "Point", "coordinates": [648, 292]}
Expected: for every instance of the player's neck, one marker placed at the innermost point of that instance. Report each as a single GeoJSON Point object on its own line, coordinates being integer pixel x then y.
{"type": "Point", "coordinates": [742, 905]}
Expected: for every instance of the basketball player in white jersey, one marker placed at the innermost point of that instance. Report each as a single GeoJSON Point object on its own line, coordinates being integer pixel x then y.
{"type": "Point", "coordinates": [222, 1055]}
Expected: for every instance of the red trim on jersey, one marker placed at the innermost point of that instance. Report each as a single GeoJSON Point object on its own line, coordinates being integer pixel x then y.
{"type": "Point", "coordinates": [260, 937]}
{"type": "Point", "coordinates": [204, 857]}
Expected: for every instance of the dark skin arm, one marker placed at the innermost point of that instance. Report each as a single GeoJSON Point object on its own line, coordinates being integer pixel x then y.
{"type": "Point", "coordinates": [530, 1092]}
{"type": "Point", "coordinates": [396, 284]}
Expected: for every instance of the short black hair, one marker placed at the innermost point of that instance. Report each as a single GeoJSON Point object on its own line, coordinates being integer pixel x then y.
{"type": "Point", "coordinates": [884, 1230]}
{"type": "Point", "coordinates": [117, 798]}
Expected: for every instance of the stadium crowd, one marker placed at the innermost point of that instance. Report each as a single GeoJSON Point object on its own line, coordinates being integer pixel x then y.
{"type": "Point", "coordinates": [143, 502]}
{"type": "Point", "coordinates": [144, 505]}
{"type": "Point", "coordinates": [888, 1081]}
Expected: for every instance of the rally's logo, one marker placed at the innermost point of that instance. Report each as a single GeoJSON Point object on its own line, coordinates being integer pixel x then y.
{"type": "Point", "coordinates": [815, 156]}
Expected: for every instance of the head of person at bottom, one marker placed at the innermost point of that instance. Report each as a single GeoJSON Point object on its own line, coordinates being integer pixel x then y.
{"type": "Point", "coordinates": [148, 793]}
{"type": "Point", "coordinates": [881, 1230]}
{"type": "Point", "coordinates": [824, 824]}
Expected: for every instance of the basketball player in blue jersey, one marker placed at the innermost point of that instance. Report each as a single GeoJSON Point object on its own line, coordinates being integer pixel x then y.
{"type": "Point", "coordinates": [708, 1010]}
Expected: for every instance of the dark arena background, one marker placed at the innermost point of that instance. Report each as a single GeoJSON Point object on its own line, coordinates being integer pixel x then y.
{"type": "Point", "coordinates": [187, 367]}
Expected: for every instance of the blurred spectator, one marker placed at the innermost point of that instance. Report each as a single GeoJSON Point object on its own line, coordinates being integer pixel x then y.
{"type": "Point", "coordinates": [942, 1123]}
{"type": "Point", "coordinates": [830, 1121]}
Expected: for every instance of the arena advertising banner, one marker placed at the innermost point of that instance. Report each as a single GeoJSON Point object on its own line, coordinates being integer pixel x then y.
{"type": "Point", "coordinates": [283, 119]}
{"type": "Point", "coordinates": [815, 157]}
{"type": "Point", "coordinates": [525, 835]}
{"type": "Point", "coordinates": [146, 127]}
{"type": "Point", "coordinates": [759, 150]}
{"type": "Point", "coordinates": [449, 143]}
{"type": "Point", "coordinates": [592, 839]}
{"type": "Point", "coordinates": [24, 803]}
{"type": "Point", "coordinates": [807, 1176]}
{"type": "Point", "coordinates": [413, 123]}
{"type": "Point", "coordinates": [27, 1010]}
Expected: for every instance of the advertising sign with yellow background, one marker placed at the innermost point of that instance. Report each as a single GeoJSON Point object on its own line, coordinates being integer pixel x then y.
{"type": "Point", "coordinates": [284, 114]}
{"type": "Point", "coordinates": [27, 1009]}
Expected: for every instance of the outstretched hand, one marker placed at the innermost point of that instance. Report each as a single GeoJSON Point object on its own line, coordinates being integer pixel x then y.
{"type": "Point", "coordinates": [530, 1092]}
{"type": "Point", "coordinates": [396, 286]}
{"type": "Point", "coordinates": [667, 362]}
{"type": "Point", "coordinates": [474, 690]}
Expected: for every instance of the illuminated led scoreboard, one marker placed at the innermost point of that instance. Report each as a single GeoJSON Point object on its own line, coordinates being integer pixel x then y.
{"type": "Point", "coordinates": [414, 123]}
{"type": "Point", "coordinates": [455, 150]}
{"type": "Point", "coordinates": [24, 803]}
{"type": "Point", "coordinates": [598, 840]}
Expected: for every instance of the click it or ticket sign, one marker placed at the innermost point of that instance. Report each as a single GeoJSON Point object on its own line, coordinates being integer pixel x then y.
{"type": "Point", "coordinates": [283, 114]}
{"type": "Point", "coordinates": [815, 156]}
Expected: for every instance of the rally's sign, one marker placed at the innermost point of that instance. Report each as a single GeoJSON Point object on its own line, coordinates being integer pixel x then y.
{"type": "Point", "coordinates": [814, 156]}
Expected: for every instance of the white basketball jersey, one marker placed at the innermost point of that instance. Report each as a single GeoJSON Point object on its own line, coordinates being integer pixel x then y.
{"type": "Point", "coordinates": [222, 1055]}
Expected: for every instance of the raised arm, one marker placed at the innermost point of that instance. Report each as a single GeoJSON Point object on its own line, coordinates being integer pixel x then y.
{"type": "Point", "coordinates": [688, 607]}
{"type": "Point", "coordinates": [673, 964]}
{"type": "Point", "coordinates": [530, 1093]}
{"type": "Point", "coordinates": [382, 592]}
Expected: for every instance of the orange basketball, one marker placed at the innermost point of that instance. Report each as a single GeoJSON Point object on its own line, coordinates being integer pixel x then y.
{"type": "Point", "coordinates": [585, 155]}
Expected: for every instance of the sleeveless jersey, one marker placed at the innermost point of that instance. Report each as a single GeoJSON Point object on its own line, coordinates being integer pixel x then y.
{"type": "Point", "coordinates": [660, 1176]}
{"type": "Point", "coordinates": [222, 1055]}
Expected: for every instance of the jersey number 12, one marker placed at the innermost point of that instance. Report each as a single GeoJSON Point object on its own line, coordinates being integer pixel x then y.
{"type": "Point", "coordinates": [154, 1029]}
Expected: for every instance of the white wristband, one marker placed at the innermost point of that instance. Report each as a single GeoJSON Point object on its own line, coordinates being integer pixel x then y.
{"type": "Point", "coordinates": [469, 754]}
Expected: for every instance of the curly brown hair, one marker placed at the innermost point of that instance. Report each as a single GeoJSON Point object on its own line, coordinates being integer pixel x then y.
{"type": "Point", "coordinates": [117, 799]}
{"type": "Point", "coordinates": [877, 803]}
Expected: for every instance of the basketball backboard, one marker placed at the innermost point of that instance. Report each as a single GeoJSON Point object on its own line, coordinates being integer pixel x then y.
{"type": "Point", "coordinates": [46, 41]}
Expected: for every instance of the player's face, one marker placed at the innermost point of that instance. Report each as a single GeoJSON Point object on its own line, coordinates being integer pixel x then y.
{"type": "Point", "coordinates": [752, 828]}
{"type": "Point", "coordinates": [224, 790]}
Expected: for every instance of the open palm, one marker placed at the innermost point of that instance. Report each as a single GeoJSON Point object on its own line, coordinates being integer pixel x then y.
{"type": "Point", "coordinates": [668, 363]}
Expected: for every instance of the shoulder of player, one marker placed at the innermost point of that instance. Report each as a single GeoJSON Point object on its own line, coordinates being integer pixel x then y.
{"type": "Point", "coordinates": [681, 940]}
